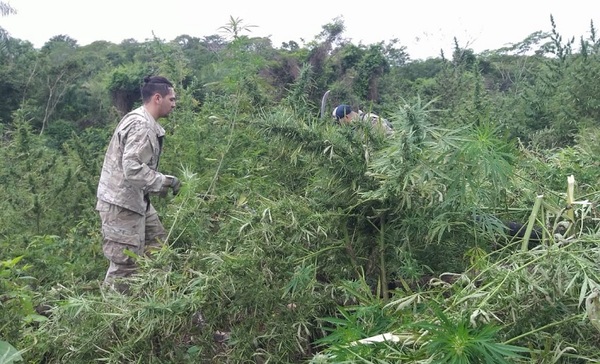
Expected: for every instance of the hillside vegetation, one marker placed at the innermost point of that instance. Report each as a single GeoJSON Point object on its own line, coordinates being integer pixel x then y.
{"type": "Point", "coordinates": [307, 241]}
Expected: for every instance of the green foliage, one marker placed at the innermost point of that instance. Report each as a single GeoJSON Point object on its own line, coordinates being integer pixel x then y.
{"type": "Point", "coordinates": [499, 312]}
{"type": "Point", "coordinates": [354, 73]}
{"type": "Point", "coordinates": [372, 65]}
{"type": "Point", "coordinates": [16, 303]}
{"type": "Point", "coordinates": [47, 191]}
{"type": "Point", "coordinates": [127, 78]}
{"type": "Point", "coordinates": [433, 178]}
{"type": "Point", "coordinates": [17, 58]}
{"type": "Point", "coordinates": [124, 85]}
{"type": "Point", "coordinates": [458, 343]}
{"type": "Point", "coordinates": [138, 328]}
{"type": "Point", "coordinates": [353, 322]}
{"type": "Point", "coordinates": [59, 132]}
{"type": "Point", "coordinates": [298, 98]}
{"type": "Point", "coordinates": [298, 236]}
{"type": "Point", "coordinates": [8, 354]}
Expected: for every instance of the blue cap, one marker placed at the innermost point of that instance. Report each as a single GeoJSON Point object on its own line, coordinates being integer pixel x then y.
{"type": "Point", "coordinates": [341, 111]}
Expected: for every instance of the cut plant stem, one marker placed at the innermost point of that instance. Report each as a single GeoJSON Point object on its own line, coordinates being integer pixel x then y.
{"type": "Point", "coordinates": [534, 213]}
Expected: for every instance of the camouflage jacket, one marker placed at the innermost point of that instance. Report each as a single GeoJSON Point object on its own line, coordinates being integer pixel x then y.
{"type": "Point", "coordinates": [130, 169]}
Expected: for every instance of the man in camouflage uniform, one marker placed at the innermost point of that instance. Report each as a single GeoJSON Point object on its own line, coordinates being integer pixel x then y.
{"type": "Point", "coordinates": [344, 114]}
{"type": "Point", "coordinates": [129, 175]}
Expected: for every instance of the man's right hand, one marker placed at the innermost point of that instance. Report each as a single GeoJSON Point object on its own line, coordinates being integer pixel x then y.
{"type": "Point", "coordinates": [170, 182]}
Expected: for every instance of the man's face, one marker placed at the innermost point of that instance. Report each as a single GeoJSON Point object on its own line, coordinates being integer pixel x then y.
{"type": "Point", "coordinates": [167, 103]}
{"type": "Point", "coordinates": [348, 118]}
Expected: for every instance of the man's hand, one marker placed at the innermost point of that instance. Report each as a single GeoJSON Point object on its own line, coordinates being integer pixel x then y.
{"type": "Point", "coordinates": [175, 185]}
{"type": "Point", "coordinates": [171, 182]}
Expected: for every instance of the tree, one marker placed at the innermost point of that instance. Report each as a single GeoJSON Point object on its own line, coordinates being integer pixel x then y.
{"type": "Point", "coordinates": [17, 61]}
{"type": "Point", "coordinates": [60, 70]}
{"type": "Point", "coordinates": [372, 66]}
{"type": "Point", "coordinates": [124, 85]}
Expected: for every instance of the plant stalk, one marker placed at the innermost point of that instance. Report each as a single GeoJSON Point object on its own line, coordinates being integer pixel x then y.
{"type": "Point", "coordinates": [534, 213]}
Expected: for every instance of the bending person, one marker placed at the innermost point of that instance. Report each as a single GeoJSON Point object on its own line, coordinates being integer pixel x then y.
{"type": "Point", "coordinates": [344, 114]}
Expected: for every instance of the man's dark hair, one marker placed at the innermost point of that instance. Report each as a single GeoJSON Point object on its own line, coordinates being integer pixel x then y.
{"type": "Point", "coordinates": [153, 85]}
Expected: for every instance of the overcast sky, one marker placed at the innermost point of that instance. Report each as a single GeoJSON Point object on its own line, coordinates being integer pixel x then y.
{"type": "Point", "coordinates": [424, 27]}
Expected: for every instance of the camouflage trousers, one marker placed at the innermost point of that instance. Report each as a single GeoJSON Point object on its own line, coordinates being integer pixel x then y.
{"type": "Point", "coordinates": [122, 230]}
